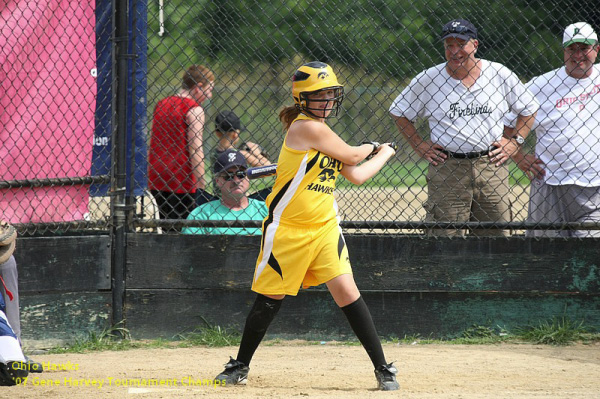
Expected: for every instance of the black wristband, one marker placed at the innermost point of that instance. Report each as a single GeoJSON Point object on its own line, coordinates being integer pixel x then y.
{"type": "Point", "coordinates": [375, 145]}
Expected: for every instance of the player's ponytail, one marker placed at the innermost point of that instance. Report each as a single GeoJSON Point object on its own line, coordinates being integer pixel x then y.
{"type": "Point", "coordinates": [287, 115]}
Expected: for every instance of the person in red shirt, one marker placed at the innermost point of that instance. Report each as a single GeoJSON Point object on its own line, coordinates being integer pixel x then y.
{"type": "Point", "coordinates": [176, 158]}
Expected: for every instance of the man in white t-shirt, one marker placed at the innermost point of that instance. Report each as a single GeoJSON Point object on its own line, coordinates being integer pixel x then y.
{"type": "Point", "coordinates": [565, 170]}
{"type": "Point", "coordinates": [465, 100]}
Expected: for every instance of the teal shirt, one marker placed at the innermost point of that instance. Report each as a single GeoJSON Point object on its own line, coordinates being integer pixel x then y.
{"type": "Point", "coordinates": [214, 210]}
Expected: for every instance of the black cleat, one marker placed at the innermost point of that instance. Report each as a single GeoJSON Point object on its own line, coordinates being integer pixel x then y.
{"type": "Point", "coordinates": [12, 373]}
{"type": "Point", "coordinates": [33, 366]}
{"type": "Point", "coordinates": [386, 377]}
{"type": "Point", "coordinates": [235, 373]}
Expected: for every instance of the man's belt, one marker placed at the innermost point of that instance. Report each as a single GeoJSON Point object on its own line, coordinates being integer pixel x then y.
{"type": "Point", "coordinates": [466, 155]}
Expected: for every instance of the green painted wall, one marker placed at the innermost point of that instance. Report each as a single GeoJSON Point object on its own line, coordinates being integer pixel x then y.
{"type": "Point", "coordinates": [434, 288]}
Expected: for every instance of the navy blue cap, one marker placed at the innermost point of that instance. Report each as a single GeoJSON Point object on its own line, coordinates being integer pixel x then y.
{"type": "Point", "coordinates": [228, 159]}
{"type": "Point", "coordinates": [459, 28]}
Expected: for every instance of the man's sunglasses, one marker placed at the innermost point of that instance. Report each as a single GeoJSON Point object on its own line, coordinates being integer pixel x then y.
{"type": "Point", "coordinates": [240, 174]}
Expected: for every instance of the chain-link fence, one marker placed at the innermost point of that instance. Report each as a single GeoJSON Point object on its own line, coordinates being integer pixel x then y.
{"type": "Point", "coordinates": [61, 82]}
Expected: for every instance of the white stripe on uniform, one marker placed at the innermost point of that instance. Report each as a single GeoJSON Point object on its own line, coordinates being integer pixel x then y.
{"type": "Point", "coordinates": [272, 228]}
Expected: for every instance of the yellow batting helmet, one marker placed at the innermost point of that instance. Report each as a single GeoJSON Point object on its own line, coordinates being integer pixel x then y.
{"type": "Point", "coordinates": [314, 77]}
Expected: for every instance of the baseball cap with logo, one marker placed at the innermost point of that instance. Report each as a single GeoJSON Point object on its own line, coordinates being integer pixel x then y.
{"type": "Point", "coordinates": [459, 28]}
{"type": "Point", "coordinates": [226, 121]}
{"type": "Point", "coordinates": [579, 32]}
{"type": "Point", "coordinates": [229, 159]}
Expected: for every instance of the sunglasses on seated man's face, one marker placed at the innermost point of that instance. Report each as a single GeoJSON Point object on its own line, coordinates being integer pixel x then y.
{"type": "Point", "coordinates": [228, 176]}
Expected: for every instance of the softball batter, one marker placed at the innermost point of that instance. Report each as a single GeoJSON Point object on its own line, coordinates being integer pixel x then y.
{"type": "Point", "coordinates": [302, 243]}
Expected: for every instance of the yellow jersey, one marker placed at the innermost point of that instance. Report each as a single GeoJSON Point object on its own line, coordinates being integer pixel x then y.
{"type": "Point", "coordinates": [304, 187]}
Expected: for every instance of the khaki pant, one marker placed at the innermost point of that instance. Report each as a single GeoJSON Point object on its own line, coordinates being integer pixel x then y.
{"type": "Point", "coordinates": [467, 190]}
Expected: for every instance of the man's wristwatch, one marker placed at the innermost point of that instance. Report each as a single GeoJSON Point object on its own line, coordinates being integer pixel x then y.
{"type": "Point", "coordinates": [519, 139]}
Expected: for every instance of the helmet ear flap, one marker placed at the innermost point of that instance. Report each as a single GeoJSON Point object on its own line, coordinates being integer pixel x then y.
{"type": "Point", "coordinates": [302, 101]}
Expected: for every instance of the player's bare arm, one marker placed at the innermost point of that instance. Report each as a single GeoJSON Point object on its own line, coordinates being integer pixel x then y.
{"type": "Point", "coordinates": [358, 174]}
{"type": "Point", "coordinates": [195, 121]}
{"type": "Point", "coordinates": [304, 135]}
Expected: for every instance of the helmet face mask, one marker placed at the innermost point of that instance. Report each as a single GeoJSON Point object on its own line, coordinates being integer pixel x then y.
{"type": "Point", "coordinates": [314, 78]}
{"type": "Point", "coordinates": [312, 107]}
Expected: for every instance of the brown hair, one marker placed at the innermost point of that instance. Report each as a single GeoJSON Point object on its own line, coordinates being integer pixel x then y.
{"type": "Point", "coordinates": [287, 115]}
{"type": "Point", "coordinates": [197, 74]}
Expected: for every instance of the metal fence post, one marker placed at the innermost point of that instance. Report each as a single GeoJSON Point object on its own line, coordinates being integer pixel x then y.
{"type": "Point", "coordinates": [121, 211]}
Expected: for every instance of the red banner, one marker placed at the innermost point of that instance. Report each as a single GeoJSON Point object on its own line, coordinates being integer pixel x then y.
{"type": "Point", "coordinates": [47, 105]}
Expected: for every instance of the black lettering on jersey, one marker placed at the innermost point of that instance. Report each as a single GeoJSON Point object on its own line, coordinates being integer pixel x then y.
{"type": "Point", "coordinates": [320, 188]}
{"type": "Point", "coordinates": [331, 163]}
{"type": "Point", "coordinates": [326, 175]}
{"type": "Point", "coordinates": [456, 111]}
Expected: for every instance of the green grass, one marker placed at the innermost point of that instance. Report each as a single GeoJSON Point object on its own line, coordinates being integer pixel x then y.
{"type": "Point", "coordinates": [114, 338]}
{"type": "Point", "coordinates": [474, 335]}
{"type": "Point", "coordinates": [118, 339]}
{"type": "Point", "coordinates": [558, 331]}
{"type": "Point", "coordinates": [482, 335]}
{"type": "Point", "coordinates": [211, 336]}
{"type": "Point", "coordinates": [561, 331]}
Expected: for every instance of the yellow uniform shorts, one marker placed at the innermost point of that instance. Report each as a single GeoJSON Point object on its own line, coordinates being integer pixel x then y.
{"type": "Point", "coordinates": [299, 255]}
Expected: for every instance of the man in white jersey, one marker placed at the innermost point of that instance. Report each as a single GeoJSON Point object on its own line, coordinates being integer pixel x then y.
{"type": "Point", "coordinates": [565, 169]}
{"type": "Point", "coordinates": [464, 101]}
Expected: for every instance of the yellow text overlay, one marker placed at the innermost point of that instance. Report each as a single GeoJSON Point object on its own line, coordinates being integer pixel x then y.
{"type": "Point", "coordinates": [120, 382]}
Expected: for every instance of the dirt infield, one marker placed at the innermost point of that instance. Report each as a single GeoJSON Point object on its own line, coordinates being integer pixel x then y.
{"type": "Point", "coordinates": [299, 370]}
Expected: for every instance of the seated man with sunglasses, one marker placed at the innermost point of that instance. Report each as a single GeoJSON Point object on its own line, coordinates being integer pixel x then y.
{"type": "Point", "coordinates": [229, 172]}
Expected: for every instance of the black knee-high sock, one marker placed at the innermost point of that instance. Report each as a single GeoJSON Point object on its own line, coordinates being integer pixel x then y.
{"type": "Point", "coordinates": [257, 322]}
{"type": "Point", "coordinates": [362, 324]}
